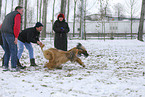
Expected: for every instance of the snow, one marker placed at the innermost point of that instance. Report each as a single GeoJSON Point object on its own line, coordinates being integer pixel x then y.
{"type": "Point", "coordinates": [114, 68]}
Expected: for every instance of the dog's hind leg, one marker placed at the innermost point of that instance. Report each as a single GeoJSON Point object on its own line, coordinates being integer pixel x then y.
{"type": "Point", "coordinates": [58, 66]}
{"type": "Point", "coordinates": [78, 60]}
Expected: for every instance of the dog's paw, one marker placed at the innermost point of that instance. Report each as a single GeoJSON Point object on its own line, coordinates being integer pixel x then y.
{"type": "Point", "coordinates": [84, 66]}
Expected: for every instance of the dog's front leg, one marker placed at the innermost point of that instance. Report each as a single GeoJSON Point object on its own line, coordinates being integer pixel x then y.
{"type": "Point", "coordinates": [78, 60]}
{"type": "Point", "coordinates": [45, 65]}
{"type": "Point", "coordinates": [49, 66]}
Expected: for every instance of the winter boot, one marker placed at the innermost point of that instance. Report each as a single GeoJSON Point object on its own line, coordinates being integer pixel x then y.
{"type": "Point", "coordinates": [19, 65]}
{"type": "Point", "coordinates": [32, 61]}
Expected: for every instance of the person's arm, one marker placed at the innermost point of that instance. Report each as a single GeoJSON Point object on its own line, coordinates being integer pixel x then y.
{"type": "Point", "coordinates": [17, 24]}
{"type": "Point", "coordinates": [31, 38]}
{"type": "Point", "coordinates": [66, 30]}
{"type": "Point", "coordinates": [0, 26]}
{"type": "Point", "coordinates": [56, 28]}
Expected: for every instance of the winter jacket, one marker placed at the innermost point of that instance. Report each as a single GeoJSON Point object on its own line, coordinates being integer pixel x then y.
{"type": "Point", "coordinates": [29, 35]}
{"type": "Point", "coordinates": [61, 29]}
{"type": "Point", "coordinates": [11, 23]}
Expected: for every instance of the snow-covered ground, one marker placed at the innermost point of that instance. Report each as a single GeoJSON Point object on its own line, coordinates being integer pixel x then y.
{"type": "Point", "coordinates": [113, 69]}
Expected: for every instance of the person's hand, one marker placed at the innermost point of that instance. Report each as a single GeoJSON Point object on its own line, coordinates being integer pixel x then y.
{"type": "Point", "coordinates": [40, 43]}
{"type": "Point", "coordinates": [16, 40]}
{"type": "Point", "coordinates": [62, 28]}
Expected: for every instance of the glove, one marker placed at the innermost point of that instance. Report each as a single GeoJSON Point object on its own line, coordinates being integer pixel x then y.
{"type": "Point", "coordinates": [62, 28]}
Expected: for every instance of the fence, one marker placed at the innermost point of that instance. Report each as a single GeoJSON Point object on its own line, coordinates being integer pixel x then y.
{"type": "Point", "coordinates": [99, 30]}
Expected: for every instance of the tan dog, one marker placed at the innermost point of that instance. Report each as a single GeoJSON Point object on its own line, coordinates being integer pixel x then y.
{"type": "Point", "coordinates": [57, 57]}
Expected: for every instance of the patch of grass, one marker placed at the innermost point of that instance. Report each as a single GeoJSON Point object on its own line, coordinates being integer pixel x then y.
{"type": "Point", "coordinates": [44, 85]}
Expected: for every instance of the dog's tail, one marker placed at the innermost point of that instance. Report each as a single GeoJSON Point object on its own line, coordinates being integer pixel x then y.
{"type": "Point", "coordinates": [48, 54]}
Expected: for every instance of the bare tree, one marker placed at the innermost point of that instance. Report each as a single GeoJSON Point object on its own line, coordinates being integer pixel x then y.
{"type": "Point", "coordinates": [37, 9]}
{"type": "Point", "coordinates": [20, 2]}
{"type": "Point", "coordinates": [12, 5]}
{"type": "Point", "coordinates": [74, 20]}
{"type": "Point", "coordinates": [85, 19]}
{"type": "Point", "coordinates": [53, 15]}
{"type": "Point", "coordinates": [141, 23]}
{"type": "Point", "coordinates": [25, 17]}
{"type": "Point", "coordinates": [119, 10]}
{"type": "Point", "coordinates": [103, 11]}
{"type": "Point", "coordinates": [63, 6]}
{"type": "Point", "coordinates": [68, 4]}
{"type": "Point", "coordinates": [44, 18]}
{"type": "Point", "coordinates": [40, 10]}
{"type": "Point", "coordinates": [104, 8]}
{"type": "Point", "coordinates": [5, 7]}
{"type": "Point", "coordinates": [133, 9]}
{"type": "Point", "coordinates": [30, 14]}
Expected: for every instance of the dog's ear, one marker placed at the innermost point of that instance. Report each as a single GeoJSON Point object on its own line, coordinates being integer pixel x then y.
{"type": "Point", "coordinates": [79, 45]}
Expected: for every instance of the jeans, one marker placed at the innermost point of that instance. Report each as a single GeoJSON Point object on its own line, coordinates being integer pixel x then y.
{"type": "Point", "coordinates": [10, 49]}
{"type": "Point", "coordinates": [21, 49]}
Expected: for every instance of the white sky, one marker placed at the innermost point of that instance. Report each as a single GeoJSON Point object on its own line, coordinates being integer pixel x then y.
{"type": "Point", "coordinates": [92, 7]}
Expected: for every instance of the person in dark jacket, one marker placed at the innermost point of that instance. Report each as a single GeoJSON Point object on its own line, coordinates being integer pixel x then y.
{"type": "Point", "coordinates": [10, 30]}
{"type": "Point", "coordinates": [26, 37]}
{"type": "Point", "coordinates": [61, 29]}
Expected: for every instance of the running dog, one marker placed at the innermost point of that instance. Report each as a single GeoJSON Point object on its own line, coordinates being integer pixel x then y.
{"type": "Point", "coordinates": [57, 57]}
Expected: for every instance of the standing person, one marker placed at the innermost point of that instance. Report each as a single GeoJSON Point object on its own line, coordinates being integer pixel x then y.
{"type": "Point", "coordinates": [25, 38]}
{"type": "Point", "coordinates": [61, 29]}
{"type": "Point", "coordinates": [10, 31]}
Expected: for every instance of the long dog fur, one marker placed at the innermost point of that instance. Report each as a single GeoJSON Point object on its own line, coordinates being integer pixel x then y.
{"type": "Point", "coordinates": [57, 57]}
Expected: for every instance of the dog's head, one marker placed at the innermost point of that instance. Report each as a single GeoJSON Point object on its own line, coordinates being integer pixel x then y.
{"type": "Point", "coordinates": [82, 50]}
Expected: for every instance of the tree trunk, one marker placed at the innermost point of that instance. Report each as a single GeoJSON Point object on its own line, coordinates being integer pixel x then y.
{"type": "Point", "coordinates": [82, 19]}
{"type": "Point", "coordinates": [141, 23]}
{"type": "Point", "coordinates": [5, 7]}
{"type": "Point", "coordinates": [20, 3]}
{"type": "Point", "coordinates": [63, 7]}
{"type": "Point", "coordinates": [53, 15]}
{"type": "Point", "coordinates": [12, 5]}
{"type": "Point", "coordinates": [85, 20]}
{"type": "Point", "coordinates": [37, 9]}
{"type": "Point", "coordinates": [131, 19]}
{"type": "Point", "coordinates": [75, 2]}
{"type": "Point", "coordinates": [44, 19]}
{"type": "Point", "coordinates": [68, 10]}
{"type": "Point", "coordinates": [40, 11]}
{"type": "Point", "coordinates": [25, 17]}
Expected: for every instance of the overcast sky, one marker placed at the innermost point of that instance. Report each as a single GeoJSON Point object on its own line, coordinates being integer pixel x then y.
{"type": "Point", "coordinates": [92, 7]}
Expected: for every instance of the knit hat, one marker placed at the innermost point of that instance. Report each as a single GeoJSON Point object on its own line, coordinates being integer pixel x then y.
{"type": "Point", "coordinates": [61, 15]}
{"type": "Point", "coordinates": [38, 24]}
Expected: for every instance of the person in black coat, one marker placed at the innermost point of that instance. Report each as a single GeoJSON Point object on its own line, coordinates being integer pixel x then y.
{"type": "Point", "coordinates": [61, 29]}
{"type": "Point", "coordinates": [26, 37]}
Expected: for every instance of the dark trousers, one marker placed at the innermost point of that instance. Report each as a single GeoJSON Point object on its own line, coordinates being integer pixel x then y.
{"type": "Point", "coordinates": [10, 49]}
